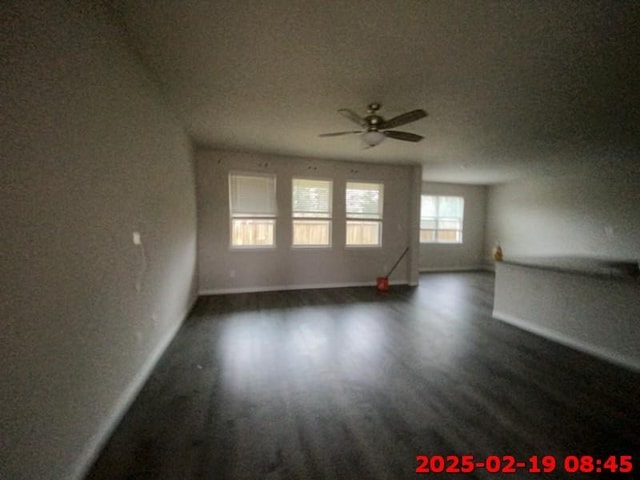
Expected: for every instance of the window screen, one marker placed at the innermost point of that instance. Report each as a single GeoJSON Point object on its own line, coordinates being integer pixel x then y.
{"type": "Point", "coordinates": [441, 219]}
{"type": "Point", "coordinates": [252, 204]}
{"type": "Point", "coordinates": [364, 206]}
{"type": "Point", "coordinates": [311, 211]}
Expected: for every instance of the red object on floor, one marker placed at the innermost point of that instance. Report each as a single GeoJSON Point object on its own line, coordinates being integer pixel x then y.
{"type": "Point", "coordinates": [382, 284]}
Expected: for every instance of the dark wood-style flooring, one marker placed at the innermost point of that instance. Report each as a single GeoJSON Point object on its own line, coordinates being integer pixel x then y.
{"type": "Point", "coordinates": [352, 383]}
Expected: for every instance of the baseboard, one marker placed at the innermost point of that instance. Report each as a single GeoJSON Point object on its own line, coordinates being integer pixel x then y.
{"type": "Point", "coordinates": [596, 351]}
{"type": "Point", "coordinates": [469, 268]}
{"type": "Point", "coordinates": [279, 288]}
{"type": "Point", "coordinates": [99, 440]}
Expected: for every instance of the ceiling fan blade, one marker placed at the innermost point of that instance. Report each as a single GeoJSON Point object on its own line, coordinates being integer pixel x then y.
{"type": "Point", "coordinates": [335, 134]}
{"type": "Point", "coordinates": [353, 116]}
{"type": "Point", "coordinates": [403, 119]}
{"type": "Point", "coordinates": [406, 136]}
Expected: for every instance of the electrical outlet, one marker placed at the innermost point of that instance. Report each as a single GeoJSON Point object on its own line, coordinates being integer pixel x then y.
{"type": "Point", "coordinates": [136, 238]}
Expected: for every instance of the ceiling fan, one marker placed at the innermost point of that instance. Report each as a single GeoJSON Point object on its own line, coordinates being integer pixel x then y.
{"type": "Point", "coordinates": [375, 128]}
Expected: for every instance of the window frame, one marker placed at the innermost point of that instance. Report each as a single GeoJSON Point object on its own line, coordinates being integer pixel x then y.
{"type": "Point", "coordinates": [328, 219]}
{"type": "Point", "coordinates": [350, 218]}
{"type": "Point", "coordinates": [438, 218]}
{"type": "Point", "coordinates": [273, 217]}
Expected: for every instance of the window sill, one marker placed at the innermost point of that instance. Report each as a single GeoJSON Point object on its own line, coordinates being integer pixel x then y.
{"type": "Point", "coordinates": [249, 248]}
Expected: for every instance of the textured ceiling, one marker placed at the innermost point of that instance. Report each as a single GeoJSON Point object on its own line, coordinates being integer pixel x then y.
{"type": "Point", "coordinates": [512, 88]}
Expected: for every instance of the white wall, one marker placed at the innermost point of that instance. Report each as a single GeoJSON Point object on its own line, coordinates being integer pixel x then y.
{"type": "Point", "coordinates": [593, 313]}
{"type": "Point", "coordinates": [594, 214]}
{"type": "Point", "coordinates": [222, 269]}
{"type": "Point", "coordinates": [469, 254]}
{"type": "Point", "coordinates": [89, 155]}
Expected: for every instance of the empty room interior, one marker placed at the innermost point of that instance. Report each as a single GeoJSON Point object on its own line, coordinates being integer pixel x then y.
{"type": "Point", "coordinates": [339, 239]}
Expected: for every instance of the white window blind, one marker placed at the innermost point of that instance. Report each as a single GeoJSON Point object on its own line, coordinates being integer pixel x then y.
{"type": "Point", "coordinates": [252, 196]}
{"type": "Point", "coordinates": [311, 209]}
{"type": "Point", "coordinates": [364, 208]}
{"type": "Point", "coordinates": [441, 219]}
{"type": "Point", "coordinates": [252, 205]}
{"type": "Point", "coordinates": [311, 198]}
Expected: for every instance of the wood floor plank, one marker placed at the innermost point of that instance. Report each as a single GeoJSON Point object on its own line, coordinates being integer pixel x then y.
{"type": "Point", "coordinates": [353, 383]}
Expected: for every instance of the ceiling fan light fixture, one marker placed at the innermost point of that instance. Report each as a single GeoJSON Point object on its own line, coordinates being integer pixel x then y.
{"type": "Point", "coordinates": [376, 128]}
{"type": "Point", "coordinates": [373, 137]}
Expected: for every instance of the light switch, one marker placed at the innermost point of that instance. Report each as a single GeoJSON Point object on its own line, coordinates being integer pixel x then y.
{"type": "Point", "coordinates": [136, 238]}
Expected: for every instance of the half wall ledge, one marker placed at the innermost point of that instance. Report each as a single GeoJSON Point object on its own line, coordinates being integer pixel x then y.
{"type": "Point", "coordinates": [592, 305]}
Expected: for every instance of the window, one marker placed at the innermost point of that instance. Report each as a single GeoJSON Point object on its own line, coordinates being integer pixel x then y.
{"type": "Point", "coordinates": [441, 219]}
{"type": "Point", "coordinates": [364, 214]}
{"type": "Point", "coordinates": [252, 204]}
{"type": "Point", "coordinates": [311, 212]}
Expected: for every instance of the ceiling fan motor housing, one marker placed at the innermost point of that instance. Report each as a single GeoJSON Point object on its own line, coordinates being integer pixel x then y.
{"type": "Point", "coordinates": [374, 123]}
